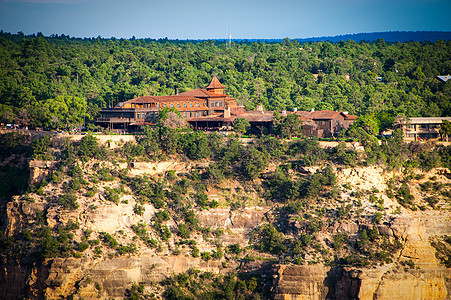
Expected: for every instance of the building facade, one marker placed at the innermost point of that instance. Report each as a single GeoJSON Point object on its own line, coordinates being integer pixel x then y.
{"type": "Point", "coordinates": [211, 109]}
{"type": "Point", "coordinates": [133, 114]}
{"type": "Point", "coordinates": [423, 128]}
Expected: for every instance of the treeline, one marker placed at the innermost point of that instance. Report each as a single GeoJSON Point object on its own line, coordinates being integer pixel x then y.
{"type": "Point", "coordinates": [58, 81]}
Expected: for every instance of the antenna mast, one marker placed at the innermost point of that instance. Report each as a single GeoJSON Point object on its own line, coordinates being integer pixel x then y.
{"type": "Point", "coordinates": [229, 42]}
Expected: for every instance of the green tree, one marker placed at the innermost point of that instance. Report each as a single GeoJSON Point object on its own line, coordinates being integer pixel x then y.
{"type": "Point", "coordinates": [445, 129]}
{"type": "Point", "coordinates": [291, 126]}
{"type": "Point", "coordinates": [41, 147]}
{"type": "Point", "coordinates": [241, 125]}
{"type": "Point", "coordinates": [89, 147]}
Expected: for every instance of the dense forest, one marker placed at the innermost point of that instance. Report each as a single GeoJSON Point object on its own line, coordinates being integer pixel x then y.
{"type": "Point", "coordinates": [57, 81]}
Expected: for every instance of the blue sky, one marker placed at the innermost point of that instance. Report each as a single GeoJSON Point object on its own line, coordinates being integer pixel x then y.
{"type": "Point", "coordinates": [201, 19]}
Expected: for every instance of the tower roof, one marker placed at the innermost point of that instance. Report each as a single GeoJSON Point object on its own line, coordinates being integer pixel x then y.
{"type": "Point", "coordinates": [215, 84]}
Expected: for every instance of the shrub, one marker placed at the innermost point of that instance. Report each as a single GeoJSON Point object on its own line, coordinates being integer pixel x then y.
{"type": "Point", "coordinates": [88, 147]}
{"type": "Point", "coordinates": [270, 240]}
{"type": "Point", "coordinates": [235, 249]}
{"type": "Point", "coordinates": [82, 246]}
{"type": "Point", "coordinates": [206, 256]}
{"type": "Point", "coordinates": [41, 148]}
{"type": "Point", "coordinates": [68, 201]}
{"type": "Point", "coordinates": [339, 240]}
{"type": "Point", "coordinates": [139, 209]}
{"type": "Point", "coordinates": [104, 174]}
{"type": "Point", "coordinates": [183, 231]}
{"type": "Point", "coordinates": [108, 240]}
{"type": "Point", "coordinates": [112, 195]}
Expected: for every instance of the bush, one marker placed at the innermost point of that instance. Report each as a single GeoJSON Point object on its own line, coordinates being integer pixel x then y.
{"type": "Point", "coordinates": [41, 148]}
{"type": "Point", "coordinates": [270, 240]}
{"type": "Point", "coordinates": [108, 240]}
{"type": "Point", "coordinates": [339, 240]}
{"type": "Point", "coordinates": [88, 147]}
{"type": "Point", "coordinates": [82, 246]}
{"type": "Point", "coordinates": [104, 174]}
{"type": "Point", "coordinates": [206, 256]}
{"type": "Point", "coordinates": [68, 201]}
{"type": "Point", "coordinates": [139, 209]}
{"type": "Point", "coordinates": [235, 249]}
{"type": "Point", "coordinates": [184, 231]}
{"type": "Point", "coordinates": [112, 195]}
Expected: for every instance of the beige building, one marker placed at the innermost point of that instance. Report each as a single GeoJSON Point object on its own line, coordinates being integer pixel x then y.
{"type": "Point", "coordinates": [422, 128]}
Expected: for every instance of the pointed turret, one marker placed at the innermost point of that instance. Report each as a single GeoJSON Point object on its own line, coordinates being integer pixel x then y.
{"type": "Point", "coordinates": [215, 86]}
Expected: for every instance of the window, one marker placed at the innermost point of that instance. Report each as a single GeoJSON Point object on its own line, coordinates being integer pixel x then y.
{"type": "Point", "coordinates": [172, 105]}
{"type": "Point", "coordinates": [220, 103]}
{"type": "Point", "coordinates": [184, 105]}
{"type": "Point", "coordinates": [178, 105]}
{"type": "Point", "coordinates": [138, 116]}
{"type": "Point", "coordinates": [164, 105]}
{"type": "Point", "coordinates": [158, 105]}
{"type": "Point", "coordinates": [197, 104]}
{"type": "Point", "coordinates": [191, 104]}
{"type": "Point", "coordinates": [184, 114]}
{"type": "Point", "coordinates": [197, 114]}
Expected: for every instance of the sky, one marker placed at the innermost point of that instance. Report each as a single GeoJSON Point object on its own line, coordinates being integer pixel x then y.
{"type": "Point", "coordinates": [214, 19]}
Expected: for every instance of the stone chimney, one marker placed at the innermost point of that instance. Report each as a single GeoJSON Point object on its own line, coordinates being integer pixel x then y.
{"type": "Point", "coordinates": [227, 112]}
{"type": "Point", "coordinates": [284, 113]}
{"type": "Point", "coordinates": [176, 90]}
{"type": "Point", "coordinates": [259, 107]}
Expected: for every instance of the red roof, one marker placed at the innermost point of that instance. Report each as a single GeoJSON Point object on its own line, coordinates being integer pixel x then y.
{"type": "Point", "coordinates": [324, 115]}
{"type": "Point", "coordinates": [215, 84]}
{"type": "Point", "coordinates": [349, 117]}
{"type": "Point", "coordinates": [200, 93]}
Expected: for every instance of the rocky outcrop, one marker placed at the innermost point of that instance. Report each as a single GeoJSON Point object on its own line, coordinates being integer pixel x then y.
{"type": "Point", "coordinates": [426, 279]}
{"type": "Point", "coordinates": [39, 169]}
{"type": "Point", "coordinates": [109, 276]}
{"type": "Point", "coordinates": [300, 282]}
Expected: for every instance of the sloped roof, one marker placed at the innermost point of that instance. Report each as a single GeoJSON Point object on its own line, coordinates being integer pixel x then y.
{"type": "Point", "coordinates": [324, 115]}
{"type": "Point", "coordinates": [151, 99]}
{"type": "Point", "coordinates": [201, 93]}
{"type": "Point", "coordinates": [212, 118]}
{"type": "Point", "coordinates": [349, 117]}
{"type": "Point", "coordinates": [444, 78]}
{"type": "Point", "coordinates": [215, 84]}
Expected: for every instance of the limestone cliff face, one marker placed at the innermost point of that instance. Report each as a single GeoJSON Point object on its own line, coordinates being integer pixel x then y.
{"type": "Point", "coordinates": [300, 282]}
{"type": "Point", "coordinates": [109, 276]}
{"type": "Point", "coordinates": [426, 280]}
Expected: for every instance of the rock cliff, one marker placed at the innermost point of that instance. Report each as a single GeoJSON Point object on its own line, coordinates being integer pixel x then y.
{"type": "Point", "coordinates": [414, 272]}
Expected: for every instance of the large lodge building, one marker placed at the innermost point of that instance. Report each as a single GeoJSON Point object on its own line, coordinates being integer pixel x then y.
{"type": "Point", "coordinates": [211, 109]}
